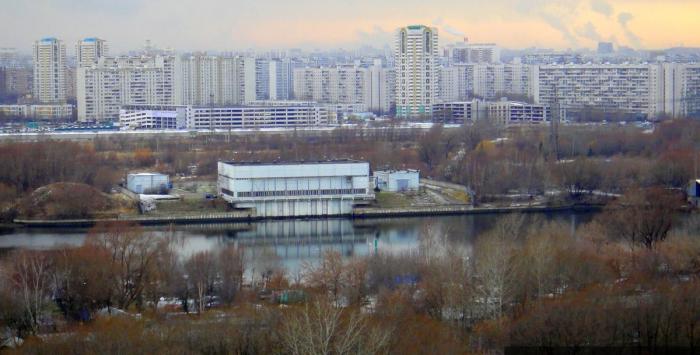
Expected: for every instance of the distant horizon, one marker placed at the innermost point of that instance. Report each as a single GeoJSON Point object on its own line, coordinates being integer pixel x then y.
{"type": "Point", "coordinates": [223, 25]}
{"type": "Point", "coordinates": [70, 48]}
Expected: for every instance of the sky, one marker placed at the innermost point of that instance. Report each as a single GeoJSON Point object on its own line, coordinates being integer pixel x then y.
{"type": "Point", "coordinates": [232, 25]}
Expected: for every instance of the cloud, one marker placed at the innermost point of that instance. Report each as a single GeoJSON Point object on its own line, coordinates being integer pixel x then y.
{"type": "Point", "coordinates": [377, 37]}
{"type": "Point", "coordinates": [602, 7]}
{"type": "Point", "coordinates": [556, 23]}
{"type": "Point", "coordinates": [446, 28]}
{"type": "Point", "coordinates": [624, 19]}
{"type": "Point", "coordinates": [589, 31]}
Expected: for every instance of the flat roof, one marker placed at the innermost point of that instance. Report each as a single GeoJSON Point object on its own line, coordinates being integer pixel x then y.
{"type": "Point", "coordinates": [147, 174]}
{"type": "Point", "coordinates": [294, 162]}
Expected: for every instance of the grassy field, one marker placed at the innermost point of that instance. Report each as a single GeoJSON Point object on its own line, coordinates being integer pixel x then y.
{"type": "Point", "coordinates": [392, 200]}
{"type": "Point", "coordinates": [190, 207]}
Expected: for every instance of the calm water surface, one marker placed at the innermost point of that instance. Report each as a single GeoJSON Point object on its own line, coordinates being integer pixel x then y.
{"type": "Point", "coordinates": [291, 242]}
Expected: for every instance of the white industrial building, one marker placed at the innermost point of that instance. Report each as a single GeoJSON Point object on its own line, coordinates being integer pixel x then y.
{"type": "Point", "coordinates": [147, 183]}
{"type": "Point", "coordinates": [397, 180]}
{"type": "Point", "coordinates": [295, 189]}
{"type": "Point", "coordinates": [199, 118]}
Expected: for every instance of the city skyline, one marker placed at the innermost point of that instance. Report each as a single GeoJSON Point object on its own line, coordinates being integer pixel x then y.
{"type": "Point", "coordinates": [314, 24]}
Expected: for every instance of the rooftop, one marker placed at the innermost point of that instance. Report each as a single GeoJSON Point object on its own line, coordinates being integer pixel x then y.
{"type": "Point", "coordinates": [294, 162]}
{"type": "Point", "coordinates": [146, 174]}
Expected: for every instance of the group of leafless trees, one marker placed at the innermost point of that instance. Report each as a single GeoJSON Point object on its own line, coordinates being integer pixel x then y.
{"type": "Point", "coordinates": [491, 160]}
{"type": "Point", "coordinates": [628, 278]}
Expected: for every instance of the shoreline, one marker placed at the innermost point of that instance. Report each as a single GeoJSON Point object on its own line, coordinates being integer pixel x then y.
{"type": "Point", "coordinates": [359, 213]}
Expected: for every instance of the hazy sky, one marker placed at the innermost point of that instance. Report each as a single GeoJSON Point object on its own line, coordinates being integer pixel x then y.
{"type": "Point", "coordinates": [262, 24]}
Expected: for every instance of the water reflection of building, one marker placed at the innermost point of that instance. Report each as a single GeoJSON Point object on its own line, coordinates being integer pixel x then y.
{"type": "Point", "coordinates": [297, 239]}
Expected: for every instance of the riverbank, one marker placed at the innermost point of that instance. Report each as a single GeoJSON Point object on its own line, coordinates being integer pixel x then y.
{"type": "Point", "coordinates": [358, 213]}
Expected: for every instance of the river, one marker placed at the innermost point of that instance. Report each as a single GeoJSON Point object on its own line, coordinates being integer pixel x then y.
{"type": "Point", "coordinates": [292, 242]}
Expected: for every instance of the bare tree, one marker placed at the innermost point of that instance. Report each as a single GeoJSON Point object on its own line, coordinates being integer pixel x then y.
{"type": "Point", "coordinates": [29, 274]}
{"type": "Point", "coordinates": [494, 265]}
{"type": "Point", "coordinates": [327, 276]}
{"type": "Point", "coordinates": [134, 256]}
{"type": "Point", "coordinates": [201, 273]}
{"type": "Point", "coordinates": [642, 216]}
{"type": "Point", "coordinates": [321, 328]}
{"type": "Point", "coordinates": [230, 268]}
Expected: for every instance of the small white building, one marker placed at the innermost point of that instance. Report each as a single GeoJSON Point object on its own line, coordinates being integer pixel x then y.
{"type": "Point", "coordinates": [296, 188]}
{"type": "Point", "coordinates": [148, 183]}
{"type": "Point", "coordinates": [397, 180]}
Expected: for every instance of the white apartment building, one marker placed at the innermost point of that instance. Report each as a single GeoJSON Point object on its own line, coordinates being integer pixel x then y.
{"type": "Point", "coordinates": [9, 57]}
{"type": "Point", "coordinates": [382, 88]}
{"type": "Point", "coordinates": [233, 117]}
{"type": "Point", "coordinates": [647, 89]}
{"type": "Point", "coordinates": [417, 71]}
{"type": "Point", "coordinates": [256, 79]}
{"type": "Point", "coordinates": [625, 88]}
{"type": "Point", "coordinates": [281, 79]}
{"type": "Point", "coordinates": [682, 89]}
{"type": "Point", "coordinates": [338, 85]}
{"type": "Point", "coordinates": [456, 82]}
{"type": "Point", "coordinates": [210, 80]}
{"type": "Point", "coordinates": [486, 81]}
{"type": "Point", "coordinates": [89, 50]}
{"type": "Point", "coordinates": [112, 82]}
{"type": "Point", "coordinates": [465, 52]}
{"type": "Point", "coordinates": [49, 71]}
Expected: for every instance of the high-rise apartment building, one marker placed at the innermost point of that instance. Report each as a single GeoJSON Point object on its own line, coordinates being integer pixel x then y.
{"type": "Point", "coordinates": [256, 79]}
{"type": "Point", "coordinates": [281, 84]}
{"type": "Point", "coordinates": [210, 80]}
{"type": "Point", "coordinates": [486, 81]}
{"type": "Point", "coordinates": [362, 88]}
{"type": "Point", "coordinates": [9, 58]}
{"type": "Point", "coordinates": [624, 88]}
{"type": "Point", "coordinates": [89, 50]}
{"type": "Point", "coordinates": [465, 52]}
{"type": "Point", "coordinates": [112, 82]}
{"type": "Point", "coordinates": [49, 71]}
{"type": "Point", "coordinates": [417, 70]}
{"type": "Point", "coordinates": [382, 88]}
{"type": "Point", "coordinates": [682, 89]}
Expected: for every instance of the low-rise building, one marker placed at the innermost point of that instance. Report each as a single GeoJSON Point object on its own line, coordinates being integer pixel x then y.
{"type": "Point", "coordinates": [508, 113]}
{"type": "Point", "coordinates": [456, 112]}
{"type": "Point", "coordinates": [148, 183]}
{"type": "Point", "coordinates": [48, 111]}
{"type": "Point", "coordinates": [189, 117]}
{"type": "Point", "coordinates": [296, 188]}
{"type": "Point", "coordinates": [397, 180]}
